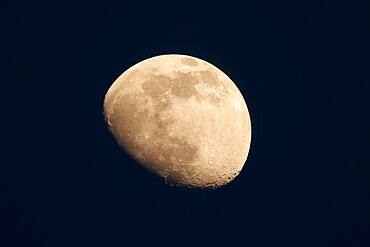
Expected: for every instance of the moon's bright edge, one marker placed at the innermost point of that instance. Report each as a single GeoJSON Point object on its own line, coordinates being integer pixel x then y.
{"type": "Point", "coordinates": [182, 118]}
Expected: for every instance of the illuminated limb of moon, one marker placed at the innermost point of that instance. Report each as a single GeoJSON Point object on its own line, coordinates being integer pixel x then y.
{"type": "Point", "coordinates": [181, 118]}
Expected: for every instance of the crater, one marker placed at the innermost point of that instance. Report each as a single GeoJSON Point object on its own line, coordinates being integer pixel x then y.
{"type": "Point", "coordinates": [163, 152]}
{"type": "Point", "coordinates": [182, 154]}
{"type": "Point", "coordinates": [189, 61]}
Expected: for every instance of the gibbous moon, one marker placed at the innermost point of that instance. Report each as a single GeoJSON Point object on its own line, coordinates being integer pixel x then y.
{"type": "Point", "coordinates": [182, 118]}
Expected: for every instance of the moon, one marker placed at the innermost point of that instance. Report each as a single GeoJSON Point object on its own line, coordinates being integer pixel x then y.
{"type": "Point", "coordinates": [182, 118]}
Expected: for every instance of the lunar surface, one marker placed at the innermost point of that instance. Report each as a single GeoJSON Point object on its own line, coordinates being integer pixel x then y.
{"type": "Point", "coordinates": [182, 118]}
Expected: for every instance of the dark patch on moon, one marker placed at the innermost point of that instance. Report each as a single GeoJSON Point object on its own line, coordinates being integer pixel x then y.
{"type": "Point", "coordinates": [183, 85]}
{"type": "Point", "coordinates": [156, 85]}
{"type": "Point", "coordinates": [162, 104]}
{"type": "Point", "coordinates": [161, 125]}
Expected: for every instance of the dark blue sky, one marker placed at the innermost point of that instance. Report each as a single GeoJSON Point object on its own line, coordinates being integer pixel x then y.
{"type": "Point", "coordinates": [303, 67]}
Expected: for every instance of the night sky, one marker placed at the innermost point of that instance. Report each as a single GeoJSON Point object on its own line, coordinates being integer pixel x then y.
{"type": "Point", "coordinates": [302, 66]}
